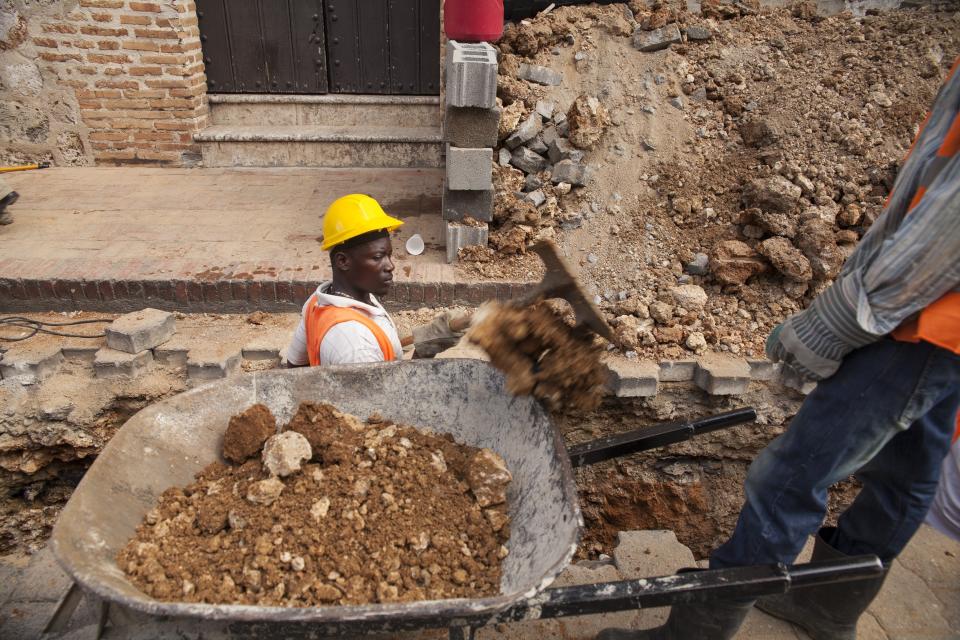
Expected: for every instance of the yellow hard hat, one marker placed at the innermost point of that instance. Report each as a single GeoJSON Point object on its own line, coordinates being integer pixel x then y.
{"type": "Point", "coordinates": [352, 216]}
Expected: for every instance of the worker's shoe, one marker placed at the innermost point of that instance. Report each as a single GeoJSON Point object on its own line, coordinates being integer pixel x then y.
{"type": "Point", "coordinates": [9, 199]}
{"type": "Point", "coordinates": [829, 611]}
{"type": "Point", "coordinates": [717, 620]}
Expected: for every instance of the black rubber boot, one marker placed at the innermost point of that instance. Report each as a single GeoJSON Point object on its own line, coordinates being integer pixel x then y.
{"type": "Point", "coordinates": [708, 621]}
{"type": "Point", "coordinates": [828, 612]}
{"type": "Point", "coordinates": [5, 217]}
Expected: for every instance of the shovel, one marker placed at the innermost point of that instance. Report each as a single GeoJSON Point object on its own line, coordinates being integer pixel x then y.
{"type": "Point", "coordinates": [558, 282]}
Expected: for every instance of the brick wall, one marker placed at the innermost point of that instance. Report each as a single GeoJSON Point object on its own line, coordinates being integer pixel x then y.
{"type": "Point", "coordinates": [137, 73]}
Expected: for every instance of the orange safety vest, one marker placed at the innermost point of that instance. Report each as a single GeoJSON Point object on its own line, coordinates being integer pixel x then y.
{"type": "Point", "coordinates": [939, 323]}
{"type": "Point", "coordinates": [320, 319]}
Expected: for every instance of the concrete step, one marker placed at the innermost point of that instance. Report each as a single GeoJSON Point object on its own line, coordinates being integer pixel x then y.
{"type": "Point", "coordinates": [320, 146]}
{"type": "Point", "coordinates": [325, 110]}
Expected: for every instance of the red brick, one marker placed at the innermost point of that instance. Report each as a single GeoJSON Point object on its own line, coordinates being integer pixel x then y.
{"type": "Point", "coordinates": [46, 290]}
{"type": "Point", "coordinates": [58, 28]}
{"type": "Point", "coordinates": [106, 290]}
{"type": "Point", "coordinates": [161, 136]}
{"type": "Point", "coordinates": [126, 104]}
{"type": "Point", "coordinates": [118, 84]}
{"type": "Point", "coordinates": [145, 6]}
{"type": "Point", "coordinates": [226, 291]}
{"type": "Point", "coordinates": [176, 125]}
{"type": "Point", "coordinates": [139, 45]}
{"type": "Point", "coordinates": [108, 45]}
{"type": "Point", "coordinates": [113, 71]}
{"type": "Point", "coordinates": [193, 92]}
{"type": "Point", "coordinates": [89, 104]}
{"type": "Point", "coordinates": [107, 58]}
{"type": "Point", "coordinates": [49, 43]}
{"type": "Point", "coordinates": [151, 291]}
{"type": "Point", "coordinates": [140, 20]}
{"type": "Point", "coordinates": [284, 291]}
{"type": "Point", "coordinates": [253, 292]}
{"type": "Point", "coordinates": [84, 44]}
{"type": "Point", "coordinates": [102, 17]}
{"type": "Point", "coordinates": [239, 289]}
{"type": "Point", "coordinates": [143, 93]}
{"type": "Point", "coordinates": [446, 294]}
{"type": "Point", "coordinates": [102, 4]}
{"type": "Point", "coordinates": [164, 58]}
{"type": "Point", "coordinates": [146, 71]}
{"type": "Point", "coordinates": [92, 30]}
{"type": "Point", "coordinates": [301, 291]}
{"type": "Point", "coordinates": [431, 294]}
{"type": "Point", "coordinates": [180, 292]}
{"type": "Point", "coordinates": [59, 57]}
{"type": "Point", "coordinates": [116, 155]}
{"type": "Point", "coordinates": [416, 293]}
{"type": "Point", "coordinates": [158, 34]}
{"type": "Point", "coordinates": [165, 291]}
{"type": "Point", "coordinates": [90, 290]}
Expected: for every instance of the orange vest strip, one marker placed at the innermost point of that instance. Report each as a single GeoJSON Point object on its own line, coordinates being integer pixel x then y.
{"type": "Point", "coordinates": [320, 319]}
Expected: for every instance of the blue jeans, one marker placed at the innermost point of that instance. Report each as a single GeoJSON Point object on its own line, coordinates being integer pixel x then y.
{"type": "Point", "coordinates": [887, 416]}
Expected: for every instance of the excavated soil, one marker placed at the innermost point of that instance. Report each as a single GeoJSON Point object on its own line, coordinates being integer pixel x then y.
{"type": "Point", "coordinates": [382, 513]}
{"type": "Point", "coordinates": [247, 432]}
{"type": "Point", "coordinates": [541, 355]}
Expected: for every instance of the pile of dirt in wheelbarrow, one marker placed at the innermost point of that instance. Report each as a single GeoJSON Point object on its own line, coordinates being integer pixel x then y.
{"type": "Point", "coordinates": [332, 510]}
{"type": "Point", "coordinates": [541, 354]}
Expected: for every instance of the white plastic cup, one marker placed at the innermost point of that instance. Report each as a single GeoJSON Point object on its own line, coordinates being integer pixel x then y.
{"type": "Point", "coordinates": [415, 245]}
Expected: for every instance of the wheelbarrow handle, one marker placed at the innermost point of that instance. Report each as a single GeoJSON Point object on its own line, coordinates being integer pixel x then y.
{"type": "Point", "coordinates": [691, 587]}
{"type": "Point", "coordinates": [659, 435]}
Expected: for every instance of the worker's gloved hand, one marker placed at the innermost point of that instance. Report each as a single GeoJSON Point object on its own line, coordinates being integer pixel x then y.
{"type": "Point", "coordinates": [777, 352]}
{"type": "Point", "coordinates": [431, 339]}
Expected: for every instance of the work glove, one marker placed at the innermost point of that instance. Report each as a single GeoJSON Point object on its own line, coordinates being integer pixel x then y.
{"type": "Point", "coordinates": [433, 338]}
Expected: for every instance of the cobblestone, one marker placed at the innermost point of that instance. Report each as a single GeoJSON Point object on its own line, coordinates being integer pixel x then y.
{"type": "Point", "coordinates": [632, 378]}
{"type": "Point", "coordinates": [110, 363]}
{"type": "Point", "coordinates": [140, 330]}
{"type": "Point", "coordinates": [722, 375]}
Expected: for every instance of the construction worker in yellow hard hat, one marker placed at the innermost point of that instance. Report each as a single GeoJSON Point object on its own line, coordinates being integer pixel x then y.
{"type": "Point", "coordinates": [343, 322]}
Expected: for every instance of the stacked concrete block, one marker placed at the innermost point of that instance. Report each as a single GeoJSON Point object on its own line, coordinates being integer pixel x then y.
{"type": "Point", "coordinates": [470, 130]}
{"type": "Point", "coordinates": [130, 340]}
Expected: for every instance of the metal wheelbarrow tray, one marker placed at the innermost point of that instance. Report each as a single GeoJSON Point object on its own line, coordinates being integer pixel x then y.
{"type": "Point", "coordinates": [166, 444]}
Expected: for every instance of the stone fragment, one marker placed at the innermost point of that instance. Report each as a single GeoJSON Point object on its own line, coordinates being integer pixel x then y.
{"type": "Point", "coordinates": [656, 39]}
{"type": "Point", "coordinates": [545, 108]}
{"type": "Point", "coordinates": [503, 157]}
{"type": "Point", "coordinates": [571, 172]}
{"type": "Point", "coordinates": [471, 75]}
{"type": "Point", "coordinates": [284, 452]}
{"type": "Point", "coordinates": [526, 132]}
{"type": "Point", "coordinates": [588, 119]}
{"type": "Point", "coordinates": [696, 341]}
{"type": "Point", "coordinates": [488, 477]}
{"type": "Point", "coordinates": [320, 508]}
{"type": "Point", "coordinates": [212, 365]}
{"type": "Point", "coordinates": [776, 194]}
{"type": "Point", "coordinates": [561, 149]}
{"type": "Point", "coordinates": [818, 243]}
{"type": "Point", "coordinates": [536, 198]}
{"type": "Point", "coordinates": [470, 127]}
{"type": "Point", "coordinates": [722, 375]}
{"type": "Point", "coordinates": [677, 370]}
{"type": "Point", "coordinates": [778, 224]}
{"type": "Point", "coordinates": [528, 161]}
{"type": "Point", "coordinates": [698, 33]}
{"type": "Point", "coordinates": [265, 492]}
{"type": "Point", "coordinates": [689, 296]}
{"type": "Point", "coordinates": [31, 365]}
{"type": "Point", "coordinates": [246, 432]}
{"type": "Point", "coordinates": [632, 378]}
{"type": "Point", "coordinates": [469, 169]}
{"type": "Point", "coordinates": [457, 205]}
{"type": "Point", "coordinates": [787, 259]}
{"type": "Point", "coordinates": [110, 363]}
{"type": "Point", "coordinates": [540, 75]}
{"type": "Point", "coordinates": [661, 312]}
{"type": "Point", "coordinates": [509, 119]}
{"type": "Point", "coordinates": [763, 369]}
{"type": "Point", "coordinates": [699, 266]}
{"type": "Point", "coordinates": [757, 133]}
{"type": "Point", "coordinates": [669, 335]}
{"type": "Point", "coordinates": [140, 330]}
{"type": "Point", "coordinates": [532, 182]}
{"type": "Point", "coordinates": [460, 235]}
{"type": "Point", "coordinates": [734, 262]}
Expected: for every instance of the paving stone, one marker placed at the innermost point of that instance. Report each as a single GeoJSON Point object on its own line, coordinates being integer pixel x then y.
{"type": "Point", "coordinates": [540, 75]}
{"type": "Point", "coordinates": [212, 365]}
{"type": "Point", "coordinates": [527, 160]}
{"type": "Point", "coordinates": [82, 350]}
{"type": "Point", "coordinates": [526, 132]}
{"type": "Point", "coordinates": [459, 204]}
{"type": "Point", "coordinates": [650, 554]}
{"type": "Point", "coordinates": [792, 380]}
{"type": "Point", "coordinates": [907, 608]}
{"type": "Point", "coordinates": [469, 169]}
{"type": "Point", "coordinates": [571, 172]}
{"type": "Point", "coordinates": [760, 626]}
{"type": "Point", "coordinates": [23, 620]}
{"type": "Point", "coordinates": [171, 355]}
{"type": "Point", "coordinates": [657, 39]}
{"type": "Point", "coordinates": [590, 626]}
{"type": "Point", "coordinates": [763, 369]}
{"type": "Point", "coordinates": [31, 363]}
{"type": "Point", "coordinates": [140, 330]}
{"type": "Point", "coordinates": [266, 347]}
{"type": "Point", "coordinates": [935, 558]}
{"type": "Point", "coordinates": [110, 363]}
{"type": "Point", "coordinates": [471, 127]}
{"type": "Point", "coordinates": [632, 378]}
{"type": "Point", "coordinates": [471, 75]}
{"type": "Point", "coordinates": [463, 235]}
{"type": "Point", "coordinates": [722, 375]}
{"type": "Point", "coordinates": [42, 580]}
{"type": "Point", "coordinates": [677, 370]}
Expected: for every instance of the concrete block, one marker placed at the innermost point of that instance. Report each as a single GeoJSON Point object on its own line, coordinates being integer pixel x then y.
{"type": "Point", "coordinates": [202, 365]}
{"type": "Point", "coordinates": [722, 375]}
{"type": "Point", "coordinates": [793, 380]}
{"type": "Point", "coordinates": [464, 235]}
{"type": "Point", "coordinates": [110, 363]}
{"type": "Point", "coordinates": [459, 204]}
{"type": "Point", "coordinates": [81, 350]}
{"type": "Point", "coordinates": [526, 132]}
{"type": "Point", "coordinates": [763, 369]}
{"type": "Point", "coordinates": [471, 127]}
{"type": "Point", "coordinates": [171, 355]}
{"type": "Point", "coordinates": [571, 172]}
{"type": "Point", "coordinates": [32, 363]}
{"type": "Point", "coordinates": [469, 169]}
{"type": "Point", "coordinates": [657, 39]}
{"type": "Point", "coordinates": [471, 75]}
{"type": "Point", "coordinates": [264, 348]}
{"type": "Point", "coordinates": [528, 161]}
{"type": "Point", "coordinates": [540, 75]}
{"type": "Point", "coordinates": [677, 370]}
{"type": "Point", "coordinates": [140, 330]}
{"type": "Point", "coordinates": [632, 378]}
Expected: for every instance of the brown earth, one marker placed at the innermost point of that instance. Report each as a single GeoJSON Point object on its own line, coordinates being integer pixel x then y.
{"type": "Point", "coordinates": [247, 432]}
{"type": "Point", "coordinates": [396, 515]}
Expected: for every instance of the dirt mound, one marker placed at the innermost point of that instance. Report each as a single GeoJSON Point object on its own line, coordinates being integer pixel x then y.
{"type": "Point", "coordinates": [541, 355]}
{"type": "Point", "coordinates": [393, 515]}
{"type": "Point", "coordinates": [247, 432]}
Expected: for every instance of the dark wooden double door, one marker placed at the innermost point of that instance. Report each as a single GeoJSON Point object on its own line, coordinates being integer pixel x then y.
{"type": "Point", "coordinates": [321, 46]}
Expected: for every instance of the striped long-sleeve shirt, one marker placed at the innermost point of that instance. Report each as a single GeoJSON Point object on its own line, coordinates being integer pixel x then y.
{"type": "Point", "coordinates": [902, 264]}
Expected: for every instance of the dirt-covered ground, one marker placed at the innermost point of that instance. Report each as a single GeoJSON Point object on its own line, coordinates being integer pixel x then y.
{"type": "Point", "coordinates": [745, 160]}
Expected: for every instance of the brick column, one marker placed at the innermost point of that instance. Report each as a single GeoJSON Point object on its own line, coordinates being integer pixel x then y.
{"type": "Point", "coordinates": [137, 70]}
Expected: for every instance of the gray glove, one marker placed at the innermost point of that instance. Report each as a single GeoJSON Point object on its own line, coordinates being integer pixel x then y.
{"type": "Point", "coordinates": [433, 338]}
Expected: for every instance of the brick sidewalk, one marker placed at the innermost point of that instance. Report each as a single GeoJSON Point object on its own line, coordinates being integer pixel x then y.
{"type": "Point", "coordinates": [209, 240]}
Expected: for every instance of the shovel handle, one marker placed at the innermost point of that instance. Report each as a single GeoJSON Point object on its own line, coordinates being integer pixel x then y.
{"type": "Point", "coordinates": [460, 323]}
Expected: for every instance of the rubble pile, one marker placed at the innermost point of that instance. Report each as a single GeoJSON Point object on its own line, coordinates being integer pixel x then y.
{"type": "Point", "coordinates": [742, 150]}
{"type": "Point", "coordinates": [331, 510]}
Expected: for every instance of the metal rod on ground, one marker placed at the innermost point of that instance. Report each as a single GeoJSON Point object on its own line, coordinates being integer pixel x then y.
{"type": "Point", "coordinates": [659, 435]}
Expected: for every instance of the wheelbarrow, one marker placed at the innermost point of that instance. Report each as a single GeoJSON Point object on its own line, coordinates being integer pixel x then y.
{"type": "Point", "coordinates": [165, 444]}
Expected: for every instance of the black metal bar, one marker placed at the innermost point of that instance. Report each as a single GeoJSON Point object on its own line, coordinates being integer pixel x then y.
{"type": "Point", "coordinates": [696, 586]}
{"type": "Point", "coordinates": [659, 435]}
